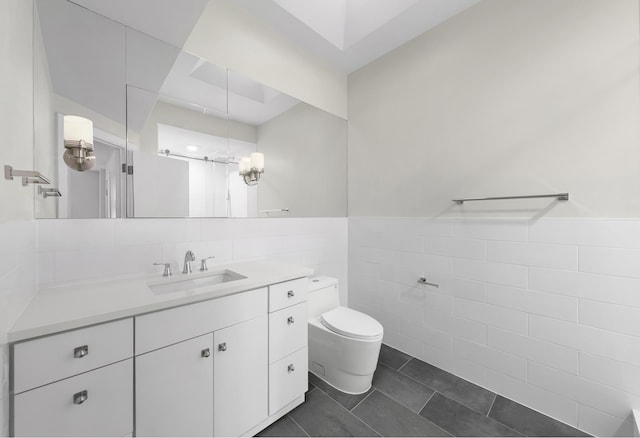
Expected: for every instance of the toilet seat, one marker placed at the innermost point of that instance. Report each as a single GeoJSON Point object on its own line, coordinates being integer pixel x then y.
{"type": "Point", "coordinates": [351, 323]}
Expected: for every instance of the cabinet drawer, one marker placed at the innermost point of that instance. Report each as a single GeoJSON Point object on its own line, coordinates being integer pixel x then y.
{"type": "Point", "coordinates": [287, 331]}
{"type": "Point", "coordinates": [55, 409]}
{"type": "Point", "coordinates": [287, 294]}
{"type": "Point", "coordinates": [45, 360]}
{"type": "Point", "coordinates": [288, 379]}
{"type": "Point", "coordinates": [166, 327]}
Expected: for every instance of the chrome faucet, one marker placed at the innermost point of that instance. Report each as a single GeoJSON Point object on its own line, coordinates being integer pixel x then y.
{"type": "Point", "coordinates": [188, 258]}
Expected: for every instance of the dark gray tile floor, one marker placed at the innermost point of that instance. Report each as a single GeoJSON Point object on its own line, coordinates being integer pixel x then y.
{"type": "Point", "coordinates": [412, 398]}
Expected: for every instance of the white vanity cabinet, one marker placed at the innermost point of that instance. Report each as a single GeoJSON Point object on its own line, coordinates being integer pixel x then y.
{"type": "Point", "coordinates": [225, 365]}
{"type": "Point", "coordinates": [288, 356]}
{"type": "Point", "coordinates": [76, 383]}
{"type": "Point", "coordinates": [203, 385]}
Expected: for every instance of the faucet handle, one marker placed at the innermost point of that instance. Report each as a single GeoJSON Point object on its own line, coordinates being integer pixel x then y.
{"type": "Point", "coordinates": [203, 263]}
{"type": "Point", "coordinates": [167, 268]}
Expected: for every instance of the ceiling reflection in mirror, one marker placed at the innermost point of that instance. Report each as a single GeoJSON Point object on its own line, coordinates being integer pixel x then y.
{"type": "Point", "coordinates": [170, 130]}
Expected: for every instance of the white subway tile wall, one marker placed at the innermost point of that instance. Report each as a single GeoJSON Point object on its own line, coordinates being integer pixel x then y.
{"type": "Point", "coordinates": [18, 284]}
{"type": "Point", "coordinates": [76, 250]}
{"type": "Point", "coordinates": [544, 312]}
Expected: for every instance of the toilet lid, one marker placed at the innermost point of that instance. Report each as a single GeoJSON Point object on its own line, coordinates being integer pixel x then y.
{"type": "Point", "coordinates": [351, 323]}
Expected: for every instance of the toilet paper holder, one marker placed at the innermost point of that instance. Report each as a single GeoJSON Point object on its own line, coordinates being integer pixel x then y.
{"type": "Point", "coordinates": [423, 280]}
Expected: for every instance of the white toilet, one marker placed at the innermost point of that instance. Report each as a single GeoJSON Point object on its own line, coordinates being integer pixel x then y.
{"type": "Point", "coordinates": [343, 343]}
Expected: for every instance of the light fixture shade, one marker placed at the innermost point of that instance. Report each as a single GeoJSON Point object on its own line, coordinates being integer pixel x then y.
{"type": "Point", "coordinates": [78, 129]}
{"type": "Point", "coordinates": [78, 143]}
{"type": "Point", "coordinates": [257, 161]}
{"type": "Point", "coordinates": [244, 164]}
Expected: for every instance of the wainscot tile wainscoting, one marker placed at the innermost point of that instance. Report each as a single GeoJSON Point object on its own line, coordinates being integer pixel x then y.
{"type": "Point", "coordinates": [543, 312]}
{"type": "Point", "coordinates": [412, 398]}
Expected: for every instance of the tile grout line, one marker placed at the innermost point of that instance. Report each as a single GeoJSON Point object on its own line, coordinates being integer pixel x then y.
{"type": "Point", "coordinates": [495, 397]}
{"type": "Point", "coordinates": [363, 399]}
{"type": "Point", "coordinates": [296, 423]}
{"type": "Point", "coordinates": [427, 402]}
{"type": "Point", "coordinates": [362, 420]}
{"type": "Point", "coordinates": [450, 397]}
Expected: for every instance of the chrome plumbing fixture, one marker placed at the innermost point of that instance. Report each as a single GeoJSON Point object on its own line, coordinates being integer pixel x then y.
{"type": "Point", "coordinates": [423, 280]}
{"type": "Point", "coordinates": [167, 268]}
{"type": "Point", "coordinates": [203, 263]}
{"type": "Point", "coordinates": [188, 258]}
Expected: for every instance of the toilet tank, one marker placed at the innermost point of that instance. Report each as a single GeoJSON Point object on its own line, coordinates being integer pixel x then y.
{"type": "Point", "coordinates": [323, 295]}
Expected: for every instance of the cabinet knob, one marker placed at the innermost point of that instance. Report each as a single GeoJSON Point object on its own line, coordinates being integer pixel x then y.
{"type": "Point", "coordinates": [291, 294]}
{"type": "Point", "coordinates": [290, 320]}
{"type": "Point", "coordinates": [206, 352]}
{"type": "Point", "coordinates": [222, 347]}
{"type": "Point", "coordinates": [80, 397]}
{"type": "Point", "coordinates": [291, 368]}
{"type": "Point", "coordinates": [80, 352]}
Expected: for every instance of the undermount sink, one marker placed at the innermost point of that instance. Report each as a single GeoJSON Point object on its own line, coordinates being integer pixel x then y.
{"type": "Point", "coordinates": [184, 284]}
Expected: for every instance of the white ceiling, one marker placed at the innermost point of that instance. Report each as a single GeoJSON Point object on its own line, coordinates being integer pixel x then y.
{"type": "Point", "coordinates": [349, 34]}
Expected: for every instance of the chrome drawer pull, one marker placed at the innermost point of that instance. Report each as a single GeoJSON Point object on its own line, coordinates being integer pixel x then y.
{"type": "Point", "coordinates": [291, 294]}
{"type": "Point", "coordinates": [80, 352]}
{"type": "Point", "coordinates": [291, 368]}
{"type": "Point", "coordinates": [206, 352]}
{"type": "Point", "coordinates": [222, 347]}
{"type": "Point", "coordinates": [290, 320]}
{"type": "Point", "coordinates": [80, 397]}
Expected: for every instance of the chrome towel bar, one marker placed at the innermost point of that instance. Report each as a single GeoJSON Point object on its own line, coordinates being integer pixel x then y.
{"type": "Point", "coordinates": [558, 196]}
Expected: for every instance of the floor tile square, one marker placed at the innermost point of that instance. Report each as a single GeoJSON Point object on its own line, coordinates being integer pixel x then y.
{"type": "Point", "coordinates": [320, 415]}
{"type": "Point", "coordinates": [529, 422]}
{"type": "Point", "coordinates": [401, 388]}
{"type": "Point", "coordinates": [452, 386]}
{"type": "Point", "coordinates": [393, 358]}
{"type": "Point", "coordinates": [283, 427]}
{"type": "Point", "coordinates": [389, 418]}
{"type": "Point", "coordinates": [459, 420]}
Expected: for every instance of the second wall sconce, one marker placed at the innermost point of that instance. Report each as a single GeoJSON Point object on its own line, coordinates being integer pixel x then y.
{"type": "Point", "coordinates": [78, 142]}
{"type": "Point", "coordinates": [251, 168]}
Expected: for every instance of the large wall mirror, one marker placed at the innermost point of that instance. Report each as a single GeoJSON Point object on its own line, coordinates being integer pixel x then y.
{"type": "Point", "coordinates": [170, 131]}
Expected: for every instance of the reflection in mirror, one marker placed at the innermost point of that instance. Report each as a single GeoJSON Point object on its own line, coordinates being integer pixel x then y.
{"type": "Point", "coordinates": [175, 148]}
{"type": "Point", "coordinates": [79, 76]}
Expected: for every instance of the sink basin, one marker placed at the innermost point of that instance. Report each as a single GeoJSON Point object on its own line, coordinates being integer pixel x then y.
{"type": "Point", "coordinates": [187, 283]}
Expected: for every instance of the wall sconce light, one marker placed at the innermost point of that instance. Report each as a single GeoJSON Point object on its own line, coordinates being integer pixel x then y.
{"type": "Point", "coordinates": [78, 142]}
{"type": "Point", "coordinates": [251, 168]}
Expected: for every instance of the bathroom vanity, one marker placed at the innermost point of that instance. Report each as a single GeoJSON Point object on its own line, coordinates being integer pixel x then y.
{"type": "Point", "coordinates": [179, 356]}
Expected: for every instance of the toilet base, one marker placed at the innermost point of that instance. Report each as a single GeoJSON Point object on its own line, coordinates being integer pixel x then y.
{"type": "Point", "coordinates": [348, 384]}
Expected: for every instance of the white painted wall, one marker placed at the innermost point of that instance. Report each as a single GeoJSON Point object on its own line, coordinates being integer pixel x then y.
{"type": "Point", "coordinates": [18, 275]}
{"type": "Point", "coordinates": [305, 163]}
{"type": "Point", "coordinates": [545, 312]}
{"type": "Point", "coordinates": [227, 36]}
{"type": "Point", "coordinates": [507, 98]}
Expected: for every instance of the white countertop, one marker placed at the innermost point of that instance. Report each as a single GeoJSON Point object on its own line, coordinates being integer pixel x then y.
{"type": "Point", "coordinates": [68, 307]}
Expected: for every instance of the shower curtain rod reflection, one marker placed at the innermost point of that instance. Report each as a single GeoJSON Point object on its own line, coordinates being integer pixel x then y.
{"type": "Point", "coordinates": [168, 153]}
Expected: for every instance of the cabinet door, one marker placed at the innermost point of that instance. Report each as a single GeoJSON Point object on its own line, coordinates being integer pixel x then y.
{"type": "Point", "coordinates": [174, 389]}
{"type": "Point", "coordinates": [240, 377]}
